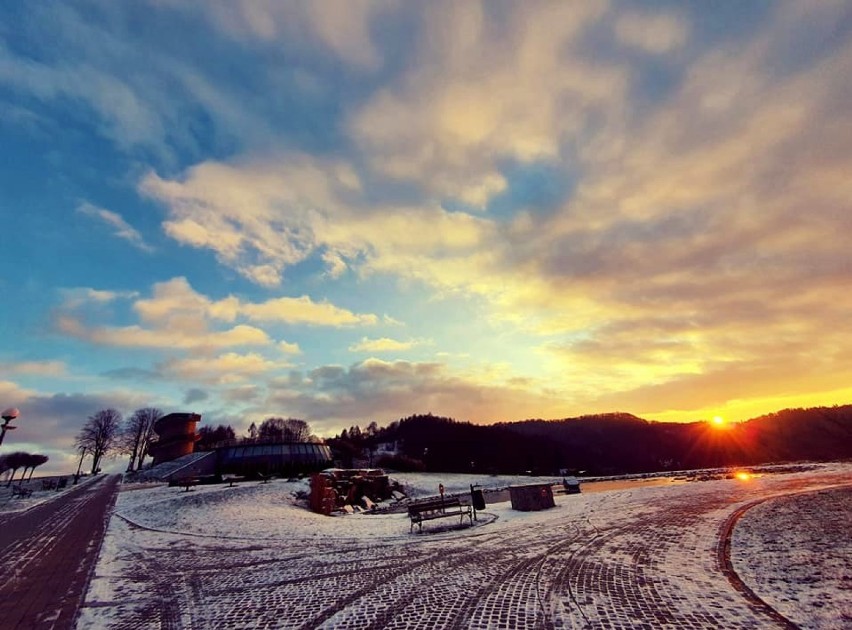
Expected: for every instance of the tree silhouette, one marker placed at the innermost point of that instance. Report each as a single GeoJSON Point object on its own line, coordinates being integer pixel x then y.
{"type": "Point", "coordinates": [100, 435]}
{"type": "Point", "coordinates": [208, 437]}
{"type": "Point", "coordinates": [137, 435]}
{"type": "Point", "coordinates": [33, 462]}
{"type": "Point", "coordinates": [281, 430]}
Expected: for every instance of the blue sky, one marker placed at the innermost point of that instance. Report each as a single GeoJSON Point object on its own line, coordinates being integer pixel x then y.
{"type": "Point", "coordinates": [355, 211]}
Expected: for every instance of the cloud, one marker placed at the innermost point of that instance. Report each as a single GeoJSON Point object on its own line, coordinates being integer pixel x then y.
{"type": "Point", "coordinates": [230, 367]}
{"type": "Point", "coordinates": [303, 310]}
{"type": "Point", "coordinates": [384, 344]}
{"type": "Point", "coordinates": [82, 296]}
{"type": "Point", "coordinates": [178, 317]}
{"type": "Point", "coordinates": [652, 33]}
{"type": "Point", "coordinates": [265, 215]}
{"type": "Point", "coordinates": [332, 396]}
{"type": "Point", "coordinates": [698, 228]}
{"type": "Point", "coordinates": [121, 228]}
{"type": "Point", "coordinates": [175, 300]}
{"type": "Point", "coordinates": [195, 395]}
{"type": "Point", "coordinates": [289, 348]}
{"type": "Point", "coordinates": [257, 216]}
{"type": "Point", "coordinates": [487, 87]}
{"type": "Point", "coordinates": [341, 27]}
{"type": "Point", "coordinates": [138, 337]}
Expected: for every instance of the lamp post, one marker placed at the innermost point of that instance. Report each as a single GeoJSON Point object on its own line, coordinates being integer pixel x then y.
{"type": "Point", "coordinates": [8, 415]}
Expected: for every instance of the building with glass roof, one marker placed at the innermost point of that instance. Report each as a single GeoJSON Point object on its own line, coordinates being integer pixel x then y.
{"type": "Point", "coordinates": [272, 459]}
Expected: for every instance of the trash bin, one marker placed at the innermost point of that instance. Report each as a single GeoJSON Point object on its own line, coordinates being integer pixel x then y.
{"type": "Point", "coordinates": [477, 498]}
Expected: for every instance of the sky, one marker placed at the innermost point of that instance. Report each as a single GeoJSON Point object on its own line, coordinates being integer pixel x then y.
{"type": "Point", "coordinates": [348, 211]}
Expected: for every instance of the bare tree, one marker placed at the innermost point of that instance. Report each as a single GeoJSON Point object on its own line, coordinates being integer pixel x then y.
{"type": "Point", "coordinates": [281, 430]}
{"type": "Point", "coordinates": [137, 435]}
{"type": "Point", "coordinates": [100, 435]}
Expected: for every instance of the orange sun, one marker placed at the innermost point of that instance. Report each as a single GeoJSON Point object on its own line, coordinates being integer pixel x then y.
{"type": "Point", "coordinates": [719, 422]}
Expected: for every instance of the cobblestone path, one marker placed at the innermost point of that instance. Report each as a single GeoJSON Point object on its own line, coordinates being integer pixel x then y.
{"type": "Point", "coordinates": [47, 554]}
{"type": "Point", "coordinates": [639, 563]}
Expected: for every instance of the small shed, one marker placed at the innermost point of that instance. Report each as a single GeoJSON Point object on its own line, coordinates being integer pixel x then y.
{"type": "Point", "coordinates": [532, 497]}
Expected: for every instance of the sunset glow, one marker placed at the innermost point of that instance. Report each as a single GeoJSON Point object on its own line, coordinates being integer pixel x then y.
{"type": "Point", "coordinates": [353, 212]}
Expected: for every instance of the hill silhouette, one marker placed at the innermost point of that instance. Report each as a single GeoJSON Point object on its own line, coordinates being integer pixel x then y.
{"type": "Point", "coordinates": [605, 444]}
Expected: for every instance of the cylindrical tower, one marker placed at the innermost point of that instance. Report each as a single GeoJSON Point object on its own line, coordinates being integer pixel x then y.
{"type": "Point", "coordinates": [177, 436]}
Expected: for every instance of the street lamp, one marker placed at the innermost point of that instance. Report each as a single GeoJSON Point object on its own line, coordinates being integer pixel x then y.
{"type": "Point", "coordinates": [8, 415]}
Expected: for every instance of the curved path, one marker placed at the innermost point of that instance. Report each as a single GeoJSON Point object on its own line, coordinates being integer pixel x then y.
{"type": "Point", "coordinates": [631, 559]}
{"type": "Point", "coordinates": [47, 554]}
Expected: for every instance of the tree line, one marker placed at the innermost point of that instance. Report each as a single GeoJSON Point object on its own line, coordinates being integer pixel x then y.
{"type": "Point", "coordinates": [602, 444]}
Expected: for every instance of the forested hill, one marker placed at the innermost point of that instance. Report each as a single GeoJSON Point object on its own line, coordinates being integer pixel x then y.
{"type": "Point", "coordinates": [610, 443]}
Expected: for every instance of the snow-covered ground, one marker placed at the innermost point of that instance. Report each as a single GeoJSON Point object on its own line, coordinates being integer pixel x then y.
{"type": "Point", "coordinates": [795, 553]}
{"type": "Point", "coordinates": [252, 557]}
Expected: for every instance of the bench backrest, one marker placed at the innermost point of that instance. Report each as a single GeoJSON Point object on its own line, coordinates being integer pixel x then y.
{"type": "Point", "coordinates": [430, 505]}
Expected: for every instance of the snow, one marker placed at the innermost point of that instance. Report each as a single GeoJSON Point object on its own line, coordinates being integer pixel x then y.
{"type": "Point", "coordinates": [251, 556]}
{"type": "Point", "coordinates": [10, 505]}
{"type": "Point", "coordinates": [795, 553]}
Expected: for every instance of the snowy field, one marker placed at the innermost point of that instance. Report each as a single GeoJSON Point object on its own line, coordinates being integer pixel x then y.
{"type": "Point", "coordinates": [252, 557]}
{"type": "Point", "coordinates": [795, 553]}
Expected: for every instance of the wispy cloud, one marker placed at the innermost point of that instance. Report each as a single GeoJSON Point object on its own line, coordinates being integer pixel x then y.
{"type": "Point", "coordinates": [120, 227]}
{"type": "Point", "coordinates": [384, 344]}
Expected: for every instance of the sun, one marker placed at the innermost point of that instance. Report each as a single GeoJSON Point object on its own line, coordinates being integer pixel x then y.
{"type": "Point", "coordinates": [719, 422]}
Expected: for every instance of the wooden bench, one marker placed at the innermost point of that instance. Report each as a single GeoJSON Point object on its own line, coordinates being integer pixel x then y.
{"type": "Point", "coordinates": [186, 482]}
{"type": "Point", "coordinates": [437, 507]}
{"type": "Point", "coordinates": [232, 479]}
{"type": "Point", "coordinates": [18, 491]}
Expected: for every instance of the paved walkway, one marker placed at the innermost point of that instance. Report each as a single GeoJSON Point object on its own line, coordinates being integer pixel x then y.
{"type": "Point", "coordinates": [47, 554]}
{"type": "Point", "coordinates": [629, 563]}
